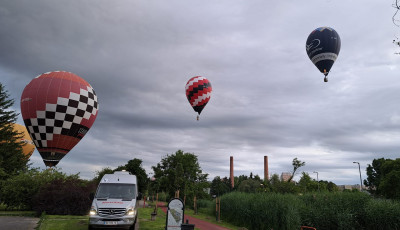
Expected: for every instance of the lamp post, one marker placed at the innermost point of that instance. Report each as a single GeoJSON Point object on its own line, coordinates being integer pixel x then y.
{"type": "Point", "coordinates": [359, 169]}
{"type": "Point", "coordinates": [317, 179]}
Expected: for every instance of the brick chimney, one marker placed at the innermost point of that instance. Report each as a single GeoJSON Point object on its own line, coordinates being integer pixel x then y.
{"type": "Point", "coordinates": [266, 176]}
{"type": "Point", "coordinates": [231, 173]}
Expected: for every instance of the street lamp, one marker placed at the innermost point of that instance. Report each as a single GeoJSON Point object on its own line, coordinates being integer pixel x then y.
{"type": "Point", "coordinates": [317, 179]}
{"type": "Point", "coordinates": [359, 169]}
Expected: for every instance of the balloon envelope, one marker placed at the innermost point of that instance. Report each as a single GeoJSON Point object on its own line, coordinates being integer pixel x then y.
{"type": "Point", "coordinates": [198, 92]}
{"type": "Point", "coordinates": [58, 109]}
{"type": "Point", "coordinates": [323, 46]}
{"type": "Point", "coordinates": [29, 147]}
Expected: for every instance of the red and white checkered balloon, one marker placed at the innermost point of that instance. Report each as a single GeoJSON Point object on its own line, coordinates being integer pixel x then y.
{"type": "Point", "coordinates": [58, 109]}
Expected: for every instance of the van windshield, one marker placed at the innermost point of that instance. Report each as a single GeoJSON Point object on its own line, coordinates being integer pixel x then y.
{"type": "Point", "coordinates": [116, 191]}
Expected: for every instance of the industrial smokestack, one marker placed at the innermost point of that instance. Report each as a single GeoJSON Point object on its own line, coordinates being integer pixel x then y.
{"type": "Point", "coordinates": [266, 176]}
{"type": "Point", "coordinates": [231, 173]}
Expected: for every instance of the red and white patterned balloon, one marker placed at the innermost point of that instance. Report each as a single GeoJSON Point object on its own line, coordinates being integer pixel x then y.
{"type": "Point", "coordinates": [198, 92]}
{"type": "Point", "coordinates": [58, 109]}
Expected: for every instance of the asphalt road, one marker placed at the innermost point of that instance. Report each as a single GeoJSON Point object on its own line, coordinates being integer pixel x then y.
{"type": "Point", "coordinates": [18, 223]}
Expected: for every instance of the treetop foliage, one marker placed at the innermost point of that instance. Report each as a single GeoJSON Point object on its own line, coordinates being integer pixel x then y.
{"type": "Point", "coordinates": [383, 178]}
{"type": "Point", "coordinates": [12, 159]}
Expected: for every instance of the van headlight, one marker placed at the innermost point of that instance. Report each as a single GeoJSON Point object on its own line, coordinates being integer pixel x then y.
{"type": "Point", "coordinates": [131, 212]}
{"type": "Point", "coordinates": [92, 212]}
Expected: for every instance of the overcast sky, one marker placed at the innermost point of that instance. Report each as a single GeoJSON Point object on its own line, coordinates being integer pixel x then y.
{"type": "Point", "coordinates": [268, 98]}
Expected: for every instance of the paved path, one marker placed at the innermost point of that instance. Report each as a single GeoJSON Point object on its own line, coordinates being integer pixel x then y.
{"type": "Point", "coordinates": [200, 224]}
{"type": "Point", "coordinates": [18, 223]}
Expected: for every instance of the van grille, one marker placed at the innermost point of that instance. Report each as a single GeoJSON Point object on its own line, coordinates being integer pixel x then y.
{"type": "Point", "coordinates": [112, 211]}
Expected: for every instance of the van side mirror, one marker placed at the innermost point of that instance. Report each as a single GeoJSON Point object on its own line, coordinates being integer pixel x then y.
{"type": "Point", "coordinates": [139, 196]}
{"type": "Point", "coordinates": [91, 196]}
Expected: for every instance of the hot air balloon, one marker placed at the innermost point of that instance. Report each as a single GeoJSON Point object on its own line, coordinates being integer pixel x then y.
{"type": "Point", "coordinates": [58, 109]}
{"type": "Point", "coordinates": [323, 46]}
{"type": "Point", "coordinates": [29, 146]}
{"type": "Point", "coordinates": [198, 93]}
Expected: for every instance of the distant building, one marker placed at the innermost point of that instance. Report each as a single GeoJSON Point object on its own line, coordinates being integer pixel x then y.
{"type": "Point", "coordinates": [350, 187]}
{"type": "Point", "coordinates": [285, 176]}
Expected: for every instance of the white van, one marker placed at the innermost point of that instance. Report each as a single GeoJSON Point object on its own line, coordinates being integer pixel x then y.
{"type": "Point", "coordinates": [115, 202]}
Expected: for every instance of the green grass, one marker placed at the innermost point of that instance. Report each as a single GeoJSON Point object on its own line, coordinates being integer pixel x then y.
{"type": "Point", "coordinates": [145, 222]}
{"type": "Point", "coordinates": [50, 222]}
{"type": "Point", "coordinates": [210, 219]}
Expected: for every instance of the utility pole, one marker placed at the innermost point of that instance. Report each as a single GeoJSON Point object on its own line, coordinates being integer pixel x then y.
{"type": "Point", "coordinates": [317, 179]}
{"type": "Point", "coordinates": [359, 169]}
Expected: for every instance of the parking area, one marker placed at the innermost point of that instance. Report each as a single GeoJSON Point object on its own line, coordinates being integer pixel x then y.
{"type": "Point", "coordinates": [18, 223]}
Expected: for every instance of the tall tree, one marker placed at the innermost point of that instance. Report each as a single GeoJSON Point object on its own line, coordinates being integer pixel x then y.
{"type": "Point", "coordinates": [12, 158]}
{"type": "Point", "coordinates": [307, 184]}
{"type": "Point", "coordinates": [374, 175]}
{"type": "Point", "coordinates": [220, 186]}
{"type": "Point", "coordinates": [101, 173]}
{"type": "Point", "coordinates": [383, 178]}
{"type": "Point", "coordinates": [296, 165]}
{"type": "Point", "coordinates": [180, 171]}
{"type": "Point", "coordinates": [134, 166]}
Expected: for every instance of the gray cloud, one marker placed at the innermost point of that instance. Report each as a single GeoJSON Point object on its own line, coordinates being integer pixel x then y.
{"type": "Point", "coordinates": [268, 98]}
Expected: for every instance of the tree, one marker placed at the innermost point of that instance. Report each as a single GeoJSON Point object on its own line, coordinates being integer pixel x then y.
{"type": "Point", "coordinates": [374, 175]}
{"type": "Point", "coordinates": [306, 184]}
{"type": "Point", "coordinates": [383, 178]}
{"type": "Point", "coordinates": [219, 186]}
{"type": "Point", "coordinates": [134, 166]}
{"type": "Point", "coordinates": [180, 171]}
{"type": "Point", "coordinates": [278, 186]}
{"type": "Point", "coordinates": [238, 180]}
{"type": "Point", "coordinates": [12, 159]}
{"type": "Point", "coordinates": [249, 185]}
{"type": "Point", "coordinates": [101, 173]}
{"type": "Point", "coordinates": [296, 165]}
{"type": "Point", "coordinates": [17, 191]}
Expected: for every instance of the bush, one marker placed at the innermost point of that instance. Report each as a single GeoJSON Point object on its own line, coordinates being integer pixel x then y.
{"type": "Point", "coordinates": [162, 196]}
{"type": "Point", "coordinates": [206, 206]}
{"type": "Point", "coordinates": [382, 214]}
{"type": "Point", "coordinates": [334, 210]}
{"type": "Point", "coordinates": [17, 191]}
{"type": "Point", "coordinates": [64, 197]}
{"type": "Point", "coordinates": [261, 210]}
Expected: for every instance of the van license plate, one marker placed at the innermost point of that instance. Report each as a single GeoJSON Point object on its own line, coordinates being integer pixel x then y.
{"type": "Point", "coordinates": [110, 222]}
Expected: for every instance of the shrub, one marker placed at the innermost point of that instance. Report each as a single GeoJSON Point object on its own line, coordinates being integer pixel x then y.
{"type": "Point", "coordinates": [382, 214]}
{"type": "Point", "coordinates": [206, 206]}
{"type": "Point", "coordinates": [334, 210]}
{"type": "Point", "coordinates": [162, 196]}
{"type": "Point", "coordinates": [17, 191]}
{"type": "Point", "coordinates": [261, 210]}
{"type": "Point", "coordinates": [64, 197]}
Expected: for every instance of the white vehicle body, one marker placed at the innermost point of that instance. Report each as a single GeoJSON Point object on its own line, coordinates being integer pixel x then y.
{"type": "Point", "coordinates": [115, 202]}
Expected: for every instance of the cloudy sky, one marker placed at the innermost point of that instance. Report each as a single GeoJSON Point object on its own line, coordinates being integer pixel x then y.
{"type": "Point", "coordinates": [268, 98]}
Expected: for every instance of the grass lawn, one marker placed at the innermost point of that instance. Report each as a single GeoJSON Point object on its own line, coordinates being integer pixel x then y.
{"type": "Point", "coordinates": [210, 219]}
{"type": "Point", "coordinates": [64, 222]}
{"type": "Point", "coordinates": [145, 222]}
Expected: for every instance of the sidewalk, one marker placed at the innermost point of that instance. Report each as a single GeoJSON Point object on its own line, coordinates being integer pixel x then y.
{"type": "Point", "coordinates": [18, 223]}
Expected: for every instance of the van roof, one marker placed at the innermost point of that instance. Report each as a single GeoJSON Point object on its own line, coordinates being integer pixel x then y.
{"type": "Point", "coordinates": [119, 177]}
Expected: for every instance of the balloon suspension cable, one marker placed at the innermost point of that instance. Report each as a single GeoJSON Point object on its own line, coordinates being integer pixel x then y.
{"type": "Point", "coordinates": [326, 76]}
{"type": "Point", "coordinates": [197, 117]}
